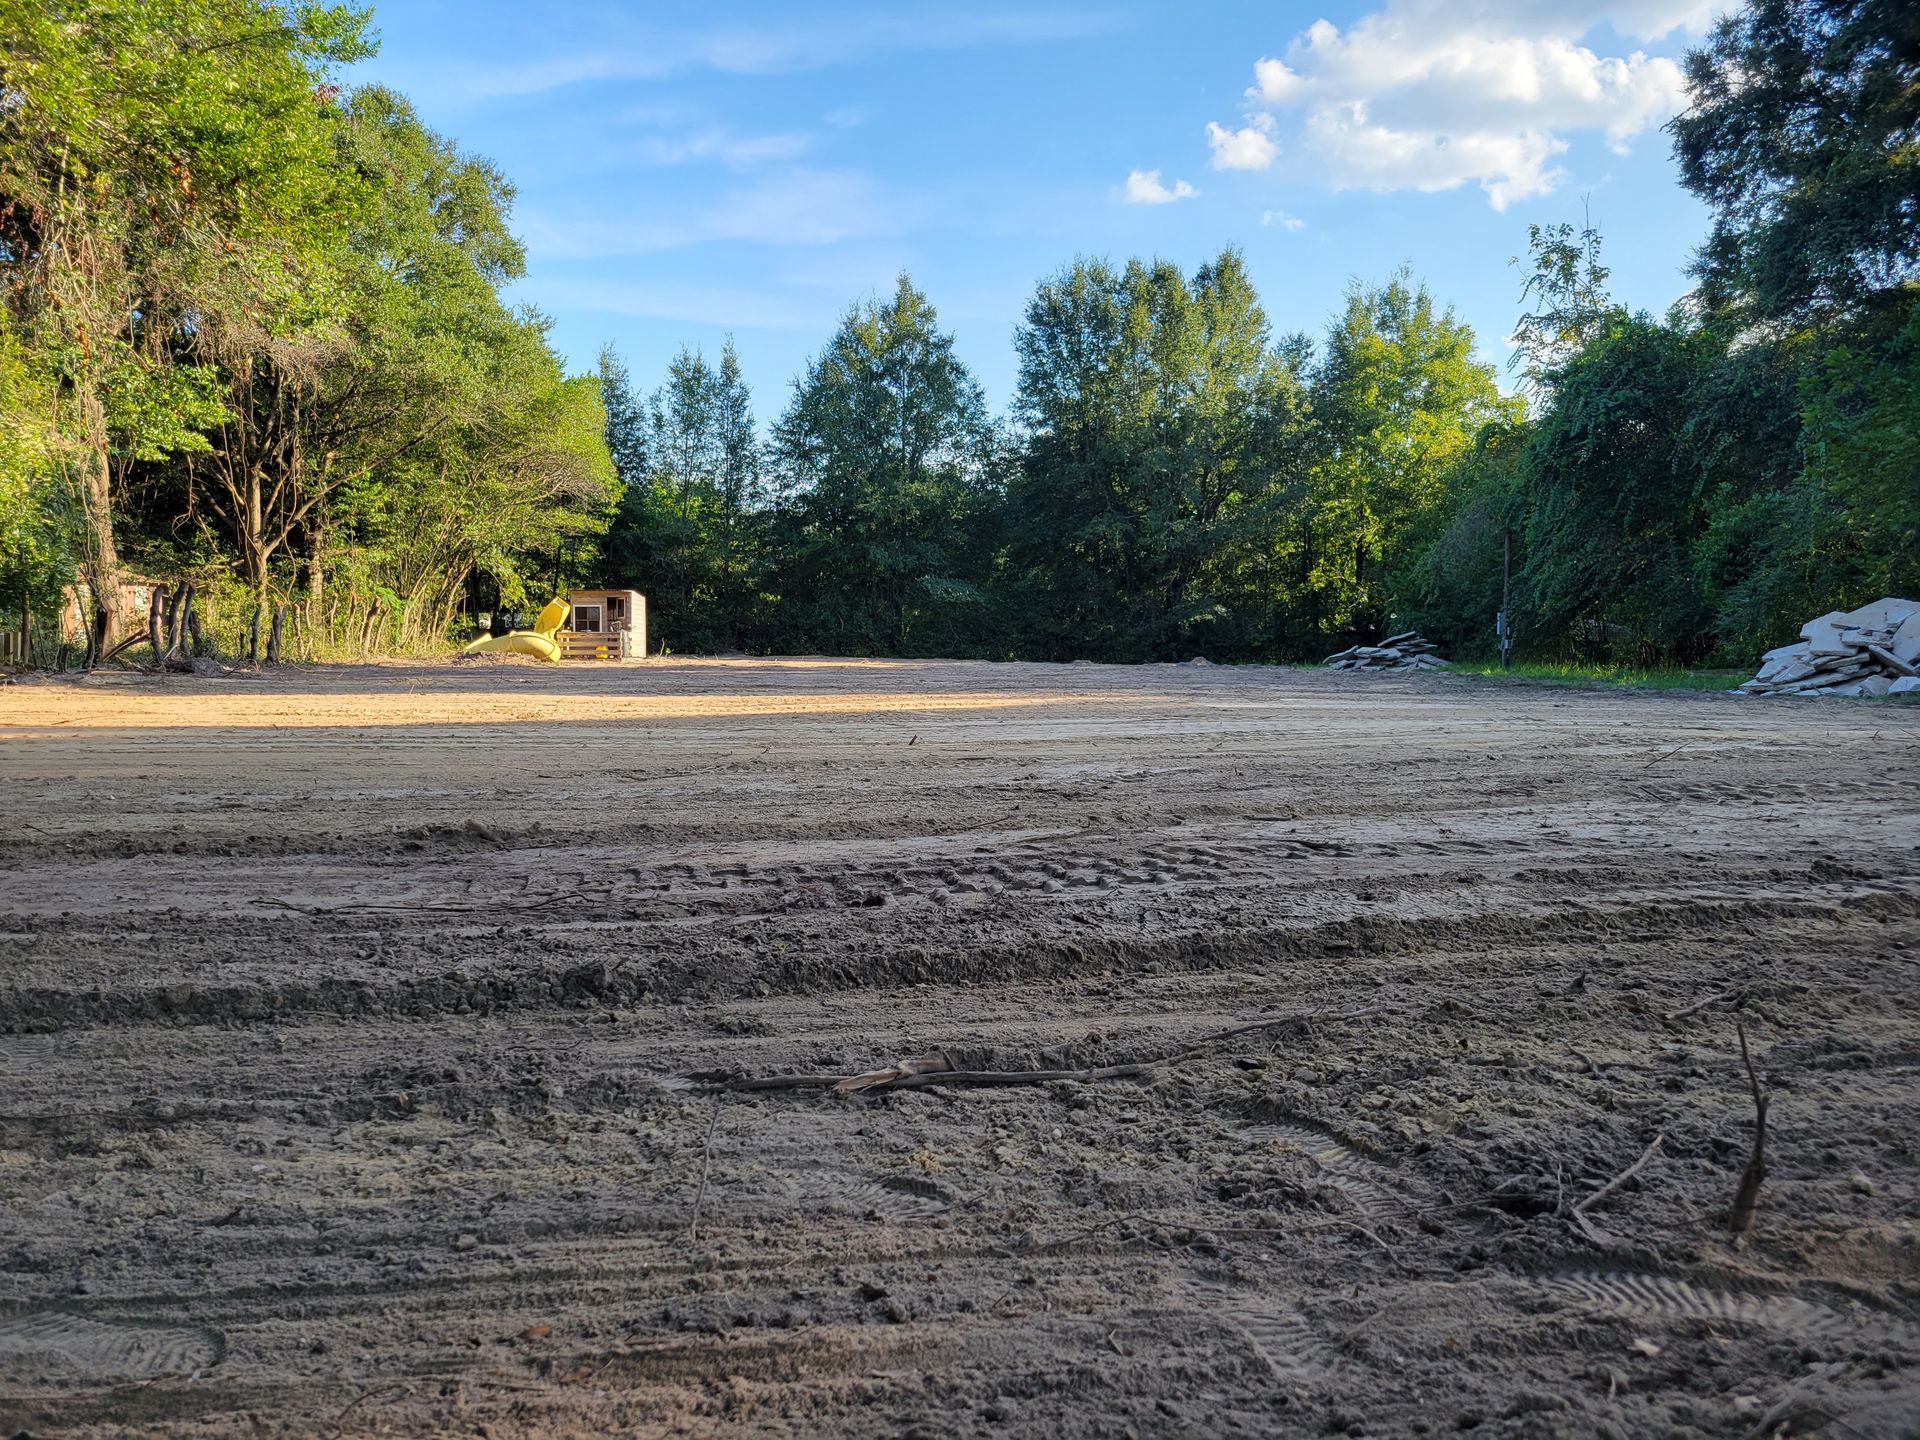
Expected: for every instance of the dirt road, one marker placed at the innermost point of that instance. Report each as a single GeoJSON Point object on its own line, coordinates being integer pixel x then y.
{"type": "Point", "coordinates": [368, 1036]}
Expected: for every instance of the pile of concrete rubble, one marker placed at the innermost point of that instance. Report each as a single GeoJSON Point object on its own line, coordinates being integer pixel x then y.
{"type": "Point", "coordinates": [1398, 652]}
{"type": "Point", "coordinates": [1874, 650]}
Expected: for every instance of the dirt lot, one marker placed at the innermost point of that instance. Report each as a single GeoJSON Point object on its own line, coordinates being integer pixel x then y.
{"type": "Point", "coordinates": [367, 1039]}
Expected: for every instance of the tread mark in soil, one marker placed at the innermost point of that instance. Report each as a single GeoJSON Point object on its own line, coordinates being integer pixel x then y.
{"type": "Point", "coordinates": [1665, 1297]}
{"type": "Point", "coordinates": [56, 1346]}
{"type": "Point", "coordinates": [1340, 1167]}
{"type": "Point", "coordinates": [1276, 1332]}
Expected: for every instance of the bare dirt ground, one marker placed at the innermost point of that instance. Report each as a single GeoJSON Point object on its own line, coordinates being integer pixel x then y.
{"type": "Point", "coordinates": [368, 1031]}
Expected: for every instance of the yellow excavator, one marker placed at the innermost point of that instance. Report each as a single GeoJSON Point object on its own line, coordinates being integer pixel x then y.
{"type": "Point", "coordinates": [537, 642]}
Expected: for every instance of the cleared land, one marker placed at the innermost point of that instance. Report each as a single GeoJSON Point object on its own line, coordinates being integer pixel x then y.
{"type": "Point", "coordinates": [366, 1032]}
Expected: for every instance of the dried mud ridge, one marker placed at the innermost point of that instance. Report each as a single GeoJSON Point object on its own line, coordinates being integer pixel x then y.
{"type": "Point", "coordinates": [354, 1084]}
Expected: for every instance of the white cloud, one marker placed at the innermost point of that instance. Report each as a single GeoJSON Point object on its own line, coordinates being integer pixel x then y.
{"type": "Point", "coordinates": [1435, 94]}
{"type": "Point", "coordinates": [1282, 219]}
{"type": "Point", "coordinates": [1144, 187]}
{"type": "Point", "coordinates": [1250, 148]}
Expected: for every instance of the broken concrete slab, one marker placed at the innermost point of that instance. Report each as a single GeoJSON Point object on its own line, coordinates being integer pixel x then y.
{"type": "Point", "coordinates": [1403, 652]}
{"type": "Point", "coordinates": [1846, 653]}
{"type": "Point", "coordinates": [1883, 614]}
{"type": "Point", "coordinates": [1905, 640]}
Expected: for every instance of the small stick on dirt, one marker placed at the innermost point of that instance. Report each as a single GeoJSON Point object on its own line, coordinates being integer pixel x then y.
{"type": "Point", "coordinates": [339, 1421]}
{"type": "Point", "coordinates": [920, 1079]}
{"type": "Point", "coordinates": [1740, 1218]}
{"type": "Point", "coordinates": [706, 1163]}
{"type": "Point", "coordinates": [1580, 1210]}
{"type": "Point", "coordinates": [1778, 1411]}
{"type": "Point", "coordinates": [1738, 992]}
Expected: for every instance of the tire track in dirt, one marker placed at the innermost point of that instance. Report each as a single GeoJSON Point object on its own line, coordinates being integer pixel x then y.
{"type": "Point", "coordinates": [1338, 1167]}
{"type": "Point", "coordinates": [1649, 1295]}
{"type": "Point", "coordinates": [24, 1009]}
{"type": "Point", "coordinates": [65, 1347]}
{"type": "Point", "coordinates": [1278, 1334]}
{"type": "Point", "coordinates": [435, 1164]}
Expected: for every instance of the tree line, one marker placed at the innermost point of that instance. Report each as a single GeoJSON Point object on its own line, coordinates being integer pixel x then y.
{"type": "Point", "coordinates": [254, 340]}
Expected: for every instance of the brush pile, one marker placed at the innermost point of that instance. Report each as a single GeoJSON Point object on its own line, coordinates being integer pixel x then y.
{"type": "Point", "coordinates": [1874, 650]}
{"type": "Point", "coordinates": [1398, 652]}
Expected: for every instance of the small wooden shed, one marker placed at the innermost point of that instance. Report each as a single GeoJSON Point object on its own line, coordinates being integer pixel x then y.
{"type": "Point", "coordinates": [605, 625]}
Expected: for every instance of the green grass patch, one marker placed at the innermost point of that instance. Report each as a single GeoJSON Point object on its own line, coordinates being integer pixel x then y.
{"type": "Point", "coordinates": [1638, 677]}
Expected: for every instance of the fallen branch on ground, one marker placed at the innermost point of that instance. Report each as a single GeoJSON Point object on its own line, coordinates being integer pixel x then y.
{"type": "Point", "coordinates": [706, 1164]}
{"type": "Point", "coordinates": [1617, 1181]}
{"type": "Point", "coordinates": [1579, 1212]}
{"type": "Point", "coordinates": [1737, 992]}
{"type": "Point", "coordinates": [925, 1071]}
{"type": "Point", "coordinates": [1740, 1218]}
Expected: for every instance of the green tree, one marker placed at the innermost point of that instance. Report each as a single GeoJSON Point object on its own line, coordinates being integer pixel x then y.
{"type": "Point", "coordinates": [414, 364]}
{"type": "Point", "coordinates": [687, 532]}
{"type": "Point", "coordinates": [1804, 138]}
{"type": "Point", "coordinates": [891, 468]}
{"type": "Point", "coordinates": [626, 419]}
{"type": "Point", "coordinates": [1398, 400]}
{"type": "Point", "coordinates": [1567, 285]}
{"type": "Point", "coordinates": [1162, 445]}
{"type": "Point", "coordinates": [158, 162]}
{"type": "Point", "coordinates": [519, 480]}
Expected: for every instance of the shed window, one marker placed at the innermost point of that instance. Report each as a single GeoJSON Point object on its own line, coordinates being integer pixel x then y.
{"type": "Point", "coordinates": [587, 618]}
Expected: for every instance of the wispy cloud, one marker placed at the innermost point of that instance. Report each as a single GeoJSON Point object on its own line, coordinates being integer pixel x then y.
{"type": "Point", "coordinates": [797, 207]}
{"type": "Point", "coordinates": [721, 306]}
{"type": "Point", "coordinates": [769, 50]}
{"type": "Point", "coordinates": [721, 146]}
{"type": "Point", "coordinates": [1282, 219]}
{"type": "Point", "coordinates": [1145, 187]}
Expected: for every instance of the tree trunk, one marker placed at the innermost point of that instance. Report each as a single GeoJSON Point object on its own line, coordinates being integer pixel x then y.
{"type": "Point", "coordinates": [102, 557]}
{"type": "Point", "coordinates": [253, 636]}
{"type": "Point", "coordinates": [156, 622]}
{"type": "Point", "coordinates": [196, 641]}
{"type": "Point", "coordinates": [316, 574]}
{"type": "Point", "coordinates": [177, 612]}
{"type": "Point", "coordinates": [273, 635]}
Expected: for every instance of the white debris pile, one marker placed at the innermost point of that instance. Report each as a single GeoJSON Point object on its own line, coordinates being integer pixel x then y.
{"type": "Point", "coordinates": [1397, 652]}
{"type": "Point", "coordinates": [1874, 650]}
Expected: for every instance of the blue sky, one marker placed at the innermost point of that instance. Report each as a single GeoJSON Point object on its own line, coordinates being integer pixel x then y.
{"type": "Point", "coordinates": [687, 171]}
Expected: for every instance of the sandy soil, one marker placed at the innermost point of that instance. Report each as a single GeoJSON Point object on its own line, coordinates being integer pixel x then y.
{"type": "Point", "coordinates": [368, 1035]}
